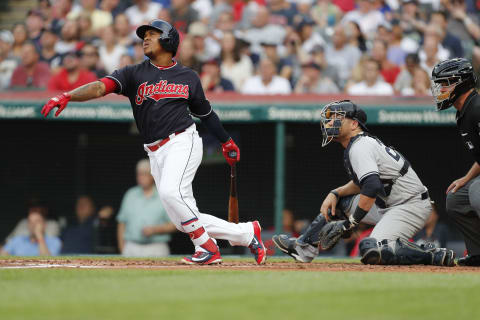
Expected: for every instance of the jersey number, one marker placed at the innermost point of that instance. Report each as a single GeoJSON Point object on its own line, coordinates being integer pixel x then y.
{"type": "Point", "coordinates": [392, 153]}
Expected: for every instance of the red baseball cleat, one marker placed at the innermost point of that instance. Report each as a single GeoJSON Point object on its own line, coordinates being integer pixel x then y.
{"type": "Point", "coordinates": [203, 257]}
{"type": "Point", "coordinates": [256, 246]}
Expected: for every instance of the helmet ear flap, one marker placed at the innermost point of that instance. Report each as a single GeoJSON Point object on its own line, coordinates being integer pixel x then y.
{"type": "Point", "coordinates": [171, 41]}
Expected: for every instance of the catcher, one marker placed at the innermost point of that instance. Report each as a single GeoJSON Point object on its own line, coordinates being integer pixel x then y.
{"type": "Point", "coordinates": [388, 192]}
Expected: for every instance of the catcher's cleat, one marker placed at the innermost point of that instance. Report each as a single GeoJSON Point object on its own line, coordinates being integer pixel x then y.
{"type": "Point", "coordinates": [203, 258]}
{"type": "Point", "coordinates": [443, 257]}
{"type": "Point", "coordinates": [256, 246]}
{"type": "Point", "coordinates": [469, 261]}
{"type": "Point", "coordinates": [304, 254]}
{"type": "Point", "coordinates": [372, 256]}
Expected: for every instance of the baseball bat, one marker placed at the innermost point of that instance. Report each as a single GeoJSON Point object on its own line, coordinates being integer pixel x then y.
{"type": "Point", "coordinates": [233, 200]}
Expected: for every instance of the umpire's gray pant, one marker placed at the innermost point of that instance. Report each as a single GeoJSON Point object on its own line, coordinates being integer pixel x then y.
{"type": "Point", "coordinates": [463, 207]}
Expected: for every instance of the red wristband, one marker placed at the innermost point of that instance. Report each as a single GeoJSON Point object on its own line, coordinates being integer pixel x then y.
{"type": "Point", "coordinates": [110, 85]}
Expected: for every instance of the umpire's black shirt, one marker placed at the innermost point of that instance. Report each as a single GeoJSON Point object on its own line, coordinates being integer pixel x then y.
{"type": "Point", "coordinates": [468, 123]}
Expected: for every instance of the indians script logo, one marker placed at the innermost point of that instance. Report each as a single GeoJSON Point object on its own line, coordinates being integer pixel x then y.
{"type": "Point", "coordinates": [160, 90]}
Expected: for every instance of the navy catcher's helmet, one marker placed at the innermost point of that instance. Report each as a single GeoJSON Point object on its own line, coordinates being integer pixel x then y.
{"type": "Point", "coordinates": [455, 77]}
{"type": "Point", "coordinates": [337, 111]}
{"type": "Point", "coordinates": [169, 38]}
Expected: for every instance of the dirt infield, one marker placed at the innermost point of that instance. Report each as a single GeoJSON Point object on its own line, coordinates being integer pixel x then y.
{"type": "Point", "coordinates": [170, 264]}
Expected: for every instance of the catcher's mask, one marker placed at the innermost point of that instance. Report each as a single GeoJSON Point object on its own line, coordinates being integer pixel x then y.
{"type": "Point", "coordinates": [450, 79]}
{"type": "Point", "coordinates": [332, 116]}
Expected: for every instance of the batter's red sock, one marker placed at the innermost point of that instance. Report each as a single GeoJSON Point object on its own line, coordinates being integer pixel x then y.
{"type": "Point", "coordinates": [210, 246]}
{"type": "Point", "coordinates": [201, 238]}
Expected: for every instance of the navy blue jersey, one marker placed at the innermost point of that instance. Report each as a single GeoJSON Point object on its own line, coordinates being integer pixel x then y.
{"type": "Point", "coordinates": [162, 98]}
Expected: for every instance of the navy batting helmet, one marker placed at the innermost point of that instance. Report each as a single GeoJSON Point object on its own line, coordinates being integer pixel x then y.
{"type": "Point", "coordinates": [451, 78]}
{"type": "Point", "coordinates": [337, 111]}
{"type": "Point", "coordinates": [169, 38]}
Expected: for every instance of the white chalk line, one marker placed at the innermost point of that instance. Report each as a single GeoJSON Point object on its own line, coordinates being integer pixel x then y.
{"type": "Point", "coordinates": [32, 266]}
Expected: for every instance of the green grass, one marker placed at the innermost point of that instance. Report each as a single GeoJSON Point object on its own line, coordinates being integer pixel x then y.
{"type": "Point", "coordinates": [232, 294]}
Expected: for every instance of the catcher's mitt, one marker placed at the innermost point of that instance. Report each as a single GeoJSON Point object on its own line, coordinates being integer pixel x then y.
{"type": "Point", "coordinates": [331, 234]}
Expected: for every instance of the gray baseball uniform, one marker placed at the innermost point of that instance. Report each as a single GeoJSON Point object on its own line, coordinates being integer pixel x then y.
{"type": "Point", "coordinates": [405, 207]}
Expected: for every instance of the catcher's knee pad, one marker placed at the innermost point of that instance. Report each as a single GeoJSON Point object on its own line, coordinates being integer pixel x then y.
{"type": "Point", "coordinates": [374, 252]}
{"type": "Point", "coordinates": [370, 251]}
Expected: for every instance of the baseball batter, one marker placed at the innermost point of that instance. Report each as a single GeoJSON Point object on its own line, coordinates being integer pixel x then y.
{"type": "Point", "coordinates": [163, 95]}
{"type": "Point", "coordinates": [376, 172]}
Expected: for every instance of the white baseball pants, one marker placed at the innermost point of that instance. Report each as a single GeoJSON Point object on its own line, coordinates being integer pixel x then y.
{"type": "Point", "coordinates": [173, 166]}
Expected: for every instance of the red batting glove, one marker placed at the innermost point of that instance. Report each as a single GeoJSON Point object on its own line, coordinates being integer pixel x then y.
{"type": "Point", "coordinates": [59, 101]}
{"type": "Point", "coordinates": [231, 152]}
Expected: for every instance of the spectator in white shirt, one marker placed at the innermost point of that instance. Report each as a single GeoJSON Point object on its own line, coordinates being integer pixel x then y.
{"type": "Point", "coordinates": [312, 81]}
{"type": "Point", "coordinates": [110, 51]}
{"type": "Point", "coordinates": [430, 54]}
{"type": "Point", "coordinates": [267, 82]}
{"type": "Point", "coordinates": [99, 18]}
{"type": "Point", "coordinates": [143, 11]}
{"type": "Point", "coordinates": [203, 7]}
{"type": "Point", "coordinates": [70, 37]}
{"type": "Point", "coordinates": [309, 37]}
{"type": "Point", "coordinates": [7, 63]}
{"type": "Point", "coordinates": [263, 30]}
{"type": "Point", "coordinates": [206, 48]}
{"type": "Point", "coordinates": [373, 84]}
{"type": "Point", "coordinates": [123, 30]}
{"type": "Point", "coordinates": [341, 55]}
{"type": "Point", "coordinates": [419, 85]}
{"type": "Point", "coordinates": [404, 78]}
{"type": "Point", "coordinates": [235, 66]}
{"type": "Point", "coordinates": [366, 16]}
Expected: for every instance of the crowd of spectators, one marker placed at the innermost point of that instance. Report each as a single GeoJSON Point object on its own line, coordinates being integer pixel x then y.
{"type": "Point", "coordinates": [357, 47]}
{"type": "Point", "coordinates": [140, 228]}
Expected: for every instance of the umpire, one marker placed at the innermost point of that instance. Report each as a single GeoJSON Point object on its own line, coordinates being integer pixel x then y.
{"type": "Point", "coordinates": [454, 84]}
